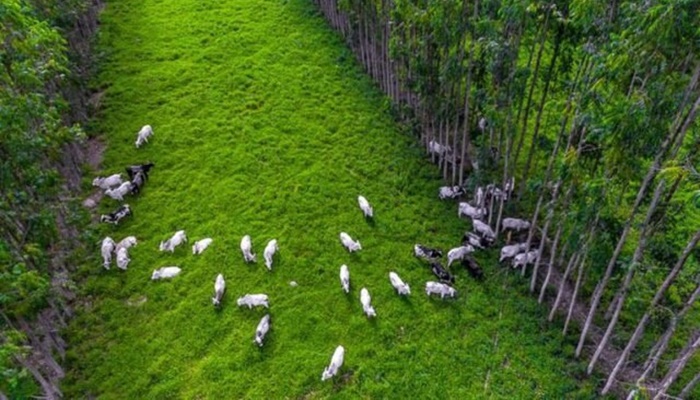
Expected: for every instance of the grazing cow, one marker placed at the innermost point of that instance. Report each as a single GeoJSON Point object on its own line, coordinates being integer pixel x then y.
{"type": "Point", "coordinates": [427, 253]}
{"type": "Point", "coordinates": [436, 148]}
{"type": "Point", "coordinates": [199, 246]}
{"type": "Point", "coordinates": [515, 224]}
{"type": "Point", "coordinates": [261, 330]}
{"type": "Point", "coordinates": [439, 288]}
{"type": "Point", "coordinates": [458, 253]}
{"type": "Point", "coordinates": [512, 250]}
{"type": "Point", "coordinates": [479, 197]}
{"type": "Point", "coordinates": [108, 182]}
{"type": "Point", "coordinates": [366, 300]}
{"type": "Point", "coordinates": [451, 192]}
{"type": "Point", "coordinates": [349, 244]}
{"type": "Point", "coordinates": [398, 284]}
{"type": "Point", "coordinates": [120, 192]}
{"type": "Point", "coordinates": [117, 215]}
{"type": "Point", "coordinates": [522, 259]}
{"type": "Point", "coordinates": [474, 269]}
{"type": "Point", "coordinates": [252, 300]}
{"type": "Point", "coordinates": [472, 239]}
{"type": "Point", "coordinates": [127, 243]}
{"type": "Point", "coordinates": [470, 211]}
{"type": "Point", "coordinates": [143, 135]}
{"type": "Point", "coordinates": [336, 363]}
{"type": "Point", "coordinates": [441, 273]}
{"type": "Point", "coordinates": [345, 278]}
{"type": "Point", "coordinates": [137, 183]}
{"type": "Point", "coordinates": [269, 252]}
{"type": "Point", "coordinates": [365, 207]}
{"type": "Point", "coordinates": [165, 273]}
{"type": "Point", "coordinates": [123, 258]}
{"type": "Point", "coordinates": [247, 249]}
{"type": "Point", "coordinates": [108, 247]}
{"type": "Point", "coordinates": [133, 169]}
{"type": "Point", "coordinates": [177, 239]}
{"type": "Point", "coordinates": [483, 229]}
{"type": "Point", "coordinates": [219, 289]}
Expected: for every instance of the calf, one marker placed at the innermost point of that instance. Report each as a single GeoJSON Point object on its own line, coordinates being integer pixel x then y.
{"type": "Point", "coordinates": [458, 253]}
{"type": "Point", "coordinates": [219, 289]}
{"type": "Point", "coordinates": [165, 273]}
{"type": "Point", "coordinates": [349, 244]}
{"type": "Point", "coordinates": [177, 239]}
{"type": "Point", "coordinates": [137, 183]}
{"type": "Point", "coordinates": [123, 258]}
{"type": "Point", "coordinates": [451, 192]}
{"type": "Point", "coordinates": [401, 287]}
{"type": "Point", "coordinates": [336, 363]}
{"type": "Point", "coordinates": [441, 273]}
{"type": "Point", "coordinates": [439, 288]}
{"type": "Point", "coordinates": [365, 207]}
{"type": "Point", "coordinates": [427, 253]}
{"type": "Point", "coordinates": [108, 182]}
{"type": "Point", "coordinates": [133, 169]}
{"type": "Point", "coordinates": [515, 224]}
{"type": "Point", "coordinates": [474, 269]}
{"type": "Point", "coordinates": [512, 251]}
{"type": "Point", "coordinates": [470, 211]}
{"type": "Point", "coordinates": [247, 249]}
{"type": "Point", "coordinates": [199, 246]}
{"type": "Point", "coordinates": [269, 252]}
{"type": "Point", "coordinates": [127, 243]}
{"type": "Point", "coordinates": [261, 330]}
{"type": "Point", "coordinates": [120, 192]}
{"type": "Point", "coordinates": [143, 135]}
{"type": "Point", "coordinates": [252, 300]}
{"type": "Point", "coordinates": [345, 278]}
{"type": "Point", "coordinates": [108, 247]}
{"type": "Point", "coordinates": [366, 300]}
{"type": "Point", "coordinates": [483, 229]}
{"type": "Point", "coordinates": [116, 216]}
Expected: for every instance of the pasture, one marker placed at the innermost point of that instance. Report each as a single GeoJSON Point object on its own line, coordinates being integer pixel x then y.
{"type": "Point", "coordinates": [265, 125]}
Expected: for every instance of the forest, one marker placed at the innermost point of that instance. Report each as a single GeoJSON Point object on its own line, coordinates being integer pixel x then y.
{"type": "Point", "coordinates": [268, 116]}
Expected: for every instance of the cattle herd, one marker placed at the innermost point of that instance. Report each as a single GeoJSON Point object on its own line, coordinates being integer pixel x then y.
{"type": "Point", "coordinates": [483, 236]}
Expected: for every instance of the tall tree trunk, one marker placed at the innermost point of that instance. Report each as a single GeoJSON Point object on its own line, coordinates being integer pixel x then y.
{"type": "Point", "coordinates": [467, 95]}
{"type": "Point", "coordinates": [543, 288]}
{"type": "Point", "coordinates": [678, 365]}
{"type": "Point", "coordinates": [572, 304]}
{"type": "Point", "coordinates": [689, 387]}
{"type": "Point", "coordinates": [578, 255]}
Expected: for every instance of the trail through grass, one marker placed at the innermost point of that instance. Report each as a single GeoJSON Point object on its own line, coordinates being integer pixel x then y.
{"type": "Point", "coordinates": [264, 125]}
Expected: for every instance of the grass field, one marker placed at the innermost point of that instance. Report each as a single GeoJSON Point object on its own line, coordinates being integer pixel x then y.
{"type": "Point", "coordinates": [264, 125]}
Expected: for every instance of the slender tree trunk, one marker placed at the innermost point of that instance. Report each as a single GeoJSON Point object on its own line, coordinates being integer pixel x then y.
{"type": "Point", "coordinates": [467, 95]}
{"type": "Point", "coordinates": [579, 278]}
{"type": "Point", "coordinates": [689, 387]}
{"type": "Point", "coordinates": [551, 264]}
{"type": "Point", "coordinates": [560, 293]}
{"type": "Point", "coordinates": [678, 365]}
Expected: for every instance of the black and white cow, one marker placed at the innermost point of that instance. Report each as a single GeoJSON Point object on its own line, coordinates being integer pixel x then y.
{"type": "Point", "coordinates": [117, 215]}
{"type": "Point", "coordinates": [133, 169]}
{"type": "Point", "coordinates": [427, 253]}
{"type": "Point", "coordinates": [442, 274]}
{"type": "Point", "coordinates": [137, 182]}
{"type": "Point", "coordinates": [473, 267]}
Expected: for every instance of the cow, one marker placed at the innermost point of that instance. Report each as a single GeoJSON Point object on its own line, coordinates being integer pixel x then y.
{"type": "Point", "coordinates": [165, 273]}
{"type": "Point", "coordinates": [252, 300]}
{"type": "Point", "coordinates": [474, 269]}
{"type": "Point", "coordinates": [117, 215]}
{"type": "Point", "coordinates": [439, 288]}
{"type": "Point", "coordinates": [401, 287]}
{"type": "Point", "coordinates": [515, 224]}
{"type": "Point", "coordinates": [365, 207]}
{"type": "Point", "coordinates": [474, 240]}
{"type": "Point", "coordinates": [133, 169]}
{"type": "Point", "coordinates": [345, 278]}
{"type": "Point", "coordinates": [438, 149]}
{"type": "Point", "coordinates": [137, 182]}
{"type": "Point", "coordinates": [470, 211]}
{"type": "Point", "coordinates": [366, 300]}
{"type": "Point", "coordinates": [143, 135]}
{"type": "Point", "coordinates": [108, 247]}
{"type": "Point", "coordinates": [199, 246]}
{"type": "Point", "coordinates": [458, 253]}
{"type": "Point", "coordinates": [349, 244]}
{"type": "Point", "coordinates": [177, 239]}
{"type": "Point", "coordinates": [269, 252]}
{"type": "Point", "coordinates": [336, 363]}
{"type": "Point", "coordinates": [127, 242]}
{"type": "Point", "coordinates": [123, 258]}
{"type": "Point", "coordinates": [512, 250]}
{"type": "Point", "coordinates": [441, 273]}
{"type": "Point", "coordinates": [483, 229]}
{"type": "Point", "coordinates": [108, 182]}
{"type": "Point", "coordinates": [427, 253]}
{"type": "Point", "coordinates": [119, 192]}
{"type": "Point", "coordinates": [247, 249]}
{"type": "Point", "coordinates": [261, 330]}
{"type": "Point", "coordinates": [451, 192]}
{"type": "Point", "coordinates": [522, 259]}
{"type": "Point", "coordinates": [479, 197]}
{"type": "Point", "coordinates": [219, 289]}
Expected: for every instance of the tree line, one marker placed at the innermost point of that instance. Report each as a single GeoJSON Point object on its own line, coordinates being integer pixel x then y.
{"type": "Point", "coordinates": [591, 106]}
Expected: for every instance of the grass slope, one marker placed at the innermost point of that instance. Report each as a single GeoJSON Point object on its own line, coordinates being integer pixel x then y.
{"type": "Point", "coordinates": [264, 125]}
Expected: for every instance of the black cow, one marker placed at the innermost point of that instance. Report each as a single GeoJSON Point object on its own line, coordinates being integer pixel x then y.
{"type": "Point", "coordinates": [442, 274]}
{"type": "Point", "coordinates": [134, 169]}
{"type": "Point", "coordinates": [117, 215]}
{"type": "Point", "coordinates": [470, 264]}
{"type": "Point", "coordinates": [426, 252]}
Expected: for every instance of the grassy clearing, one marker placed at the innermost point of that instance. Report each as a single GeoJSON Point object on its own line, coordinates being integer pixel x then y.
{"type": "Point", "coordinates": [265, 126]}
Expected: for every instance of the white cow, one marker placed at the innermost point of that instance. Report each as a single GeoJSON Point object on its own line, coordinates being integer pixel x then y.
{"type": "Point", "coordinates": [108, 247]}
{"type": "Point", "coordinates": [219, 289]}
{"type": "Point", "coordinates": [143, 135]}
{"type": "Point", "coordinates": [458, 253]}
{"type": "Point", "coordinates": [366, 300]}
{"type": "Point", "coordinates": [123, 258]}
{"type": "Point", "coordinates": [483, 229]}
{"type": "Point", "coordinates": [509, 186]}
{"type": "Point", "coordinates": [177, 239]}
{"type": "Point", "coordinates": [349, 244]}
{"type": "Point", "coordinates": [247, 249]}
{"type": "Point", "coordinates": [261, 330]}
{"type": "Point", "coordinates": [199, 246]}
{"type": "Point", "coordinates": [522, 259]}
{"type": "Point", "coordinates": [512, 250]}
{"type": "Point", "coordinates": [470, 211]}
{"type": "Point", "coordinates": [108, 182]}
{"type": "Point", "coordinates": [439, 288]}
{"type": "Point", "coordinates": [252, 300]}
{"type": "Point", "coordinates": [127, 242]}
{"type": "Point", "coordinates": [345, 278]}
{"type": "Point", "coordinates": [515, 224]}
{"type": "Point", "coordinates": [269, 252]}
{"type": "Point", "coordinates": [479, 197]}
{"type": "Point", "coordinates": [400, 286]}
{"type": "Point", "coordinates": [364, 205]}
{"type": "Point", "coordinates": [336, 363]}
{"type": "Point", "coordinates": [436, 148]}
{"type": "Point", "coordinates": [165, 273]}
{"type": "Point", "coordinates": [450, 192]}
{"type": "Point", "coordinates": [120, 192]}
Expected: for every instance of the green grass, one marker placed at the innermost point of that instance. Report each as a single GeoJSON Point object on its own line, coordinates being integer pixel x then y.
{"type": "Point", "coordinates": [264, 125]}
